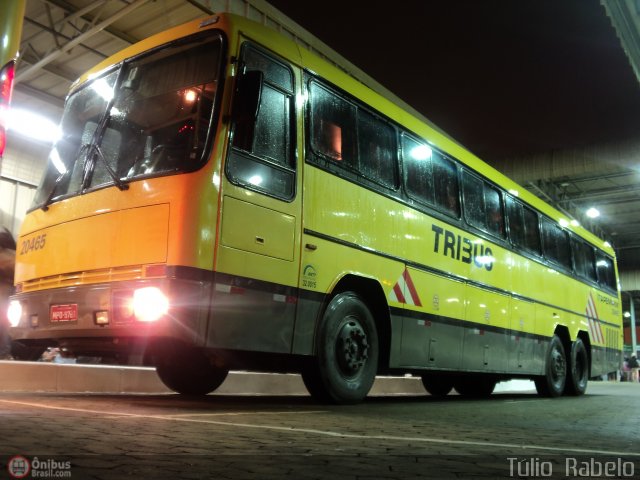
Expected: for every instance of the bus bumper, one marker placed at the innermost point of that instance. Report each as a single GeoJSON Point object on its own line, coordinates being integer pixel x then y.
{"type": "Point", "coordinates": [99, 319]}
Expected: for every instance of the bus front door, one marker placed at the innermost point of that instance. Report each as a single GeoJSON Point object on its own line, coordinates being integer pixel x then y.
{"type": "Point", "coordinates": [257, 264]}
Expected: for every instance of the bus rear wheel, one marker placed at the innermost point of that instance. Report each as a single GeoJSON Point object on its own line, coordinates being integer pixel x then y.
{"type": "Point", "coordinates": [189, 372]}
{"type": "Point", "coordinates": [578, 372]}
{"type": "Point", "coordinates": [552, 383]}
{"type": "Point", "coordinates": [437, 385]}
{"type": "Point", "coordinates": [344, 367]}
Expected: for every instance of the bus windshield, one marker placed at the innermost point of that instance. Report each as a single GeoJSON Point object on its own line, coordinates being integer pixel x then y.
{"type": "Point", "coordinates": [150, 115]}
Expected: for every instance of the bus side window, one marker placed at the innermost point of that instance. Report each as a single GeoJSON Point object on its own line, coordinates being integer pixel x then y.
{"type": "Point", "coordinates": [493, 205]}
{"type": "Point", "coordinates": [418, 170]}
{"type": "Point", "coordinates": [604, 267]}
{"type": "Point", "coordinates": [556, 244]}
{"type": "Point", "coordinates": [589, 262]}
{"type": "Point", "coordinates": [531, 230]}
{"type": "Point", "coordinates": [262, 155]}
{"type": "Point", "coordinates": [516, 223]}
{"type": "Point", "coordinates": [330, 138]}
{"type": "Point", "coordinates": [473, 193]}
{"type": "Point", "coordinates": [446, 188]}
{"type": "Point", "coordinates": [377, 149]}
{"type": "Point", "coordinates": [584, 259]}
{"type": "Point", "coordinates": [333, 126]}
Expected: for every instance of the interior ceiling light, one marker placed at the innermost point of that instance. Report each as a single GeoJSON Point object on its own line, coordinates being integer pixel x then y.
{"type": "Point", "coordinates": [32, 125]}
{"type": "Point", "coordinates": [593, 213]}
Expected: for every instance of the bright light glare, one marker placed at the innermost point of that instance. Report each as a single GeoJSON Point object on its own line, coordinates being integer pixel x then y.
{"type": "Point", "coordinates": [485, 259]}
{"type": "Point", "coordinates": [422, 152]}
{"type": "Point", "coordinates": [255, 180]}
{"type": "Point", "coordinates": [102, 88]}
{"type": "Point", "coordinates": [149, 304]}
{"type": "Point", "coordinates": [593, 213]}
{"type": "Point", "coordinates": [14, 313]}
{"type": "Point", "coordinates": [190, 96]}
{"type": "Point", "coordinates": [32, 125]}
{"type": "Point", "coordinates": [54, 156]}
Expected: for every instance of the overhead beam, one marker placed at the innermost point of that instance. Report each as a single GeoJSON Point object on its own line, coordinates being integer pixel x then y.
{"type": "Point", "coordinates": [40, 95]}
{"type": "Point", "coordinates": [114, 32]}
{"type": "Point", "coordinates": [30, 59]}
{"type": "Point", "coordinates": [201, 7]}
{"type": "Point", "coordinates": [78, 40]}
{"type": "Point", "coordinates": [58, 35]}
{"type": "Point", "coordinates": [627, 25]}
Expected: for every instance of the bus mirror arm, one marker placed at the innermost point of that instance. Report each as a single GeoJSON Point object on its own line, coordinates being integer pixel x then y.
{"type": "Point", "coordinates": [246, 105]}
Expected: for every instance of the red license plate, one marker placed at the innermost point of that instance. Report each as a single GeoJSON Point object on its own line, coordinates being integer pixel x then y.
{"type": "Point", "coordinates": [64, 313]}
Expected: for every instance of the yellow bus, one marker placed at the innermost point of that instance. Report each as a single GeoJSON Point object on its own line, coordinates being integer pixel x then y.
{"type": "Point", "coordinates": [222, 198]}
{"type": "Point", "coordinates": [11, 14]}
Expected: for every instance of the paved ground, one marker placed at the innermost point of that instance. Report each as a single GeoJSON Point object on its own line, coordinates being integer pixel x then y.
{"type": "Point", "coordinates": [257, 437]}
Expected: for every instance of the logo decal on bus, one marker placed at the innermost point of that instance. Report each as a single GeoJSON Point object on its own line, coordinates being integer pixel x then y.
{"type": "Point", "coordinates": [462, 248]}
{"type": "Point", "coordinates": [309, 275]}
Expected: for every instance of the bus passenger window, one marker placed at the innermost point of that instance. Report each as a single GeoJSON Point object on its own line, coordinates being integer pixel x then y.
{"type": "Point", "coordinates": [531, 231]}
{"type": "Point", "coordinates": [473, 192]}
{"type": "Point", "coordinates": [445, 184]}
{"type": "Point", "coordinates": [589, 262]}
{"type": "Point", "coordinates": [583, 259]}
{"type": "Point", "coordinates": [604, 267]}
{"type": "Point", "coordinates": [493, 204]}
{"type": "Point", "coordinates": [516, 223]}
{"type": "Point", "coordinates": [377, 149]}
{"type": "Point", "coordinates": [330, 136]}
{"type": "Point", "coordinates": [333, 126]}
{"type": "Point", "coordinates": [556, 244]}
{"type": "Point", "coordinates": [418, 170]}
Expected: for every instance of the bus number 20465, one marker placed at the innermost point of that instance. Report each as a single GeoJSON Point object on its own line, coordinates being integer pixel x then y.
{"type": "Point", "coordinates": [36, 243]}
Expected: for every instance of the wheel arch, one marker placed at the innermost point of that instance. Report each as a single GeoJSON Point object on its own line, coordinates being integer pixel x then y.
{"type": "Point", "coordinates": [372, 294]}
{"type": "Point", "coordinates": [563, 333]}
{"type": "Point", "coordinates": [584, 336]}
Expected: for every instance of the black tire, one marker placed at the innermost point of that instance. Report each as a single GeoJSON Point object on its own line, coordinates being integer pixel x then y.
{"type": "Point", "coordinates": [438, 385]}
{"type": "Point", "coordinates": [346, 361]}
{"type": "Point", "coordinates": [20, 351]}
{"type": "Point", "coordinates": [475, 386]}
{"type": "Point", "coordinates": [189, 372]}
{"type": "Point", "coordinates": [553, 382]}
{"type": "Point", "coordinates": [578, 371]}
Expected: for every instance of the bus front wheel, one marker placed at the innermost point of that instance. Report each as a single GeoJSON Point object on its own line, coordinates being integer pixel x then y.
{"type": "Point", "coordinates": [344, 367]}
{"type": "Point", "coordinates": [189, 372]}
{"type": "Point", "coordinates": [578, 371]}
{"type": "Point", "coordinates": [553, 382]}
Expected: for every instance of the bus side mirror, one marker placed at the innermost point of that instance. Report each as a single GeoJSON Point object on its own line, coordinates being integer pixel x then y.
{"type": "Point", "coordinates": [246, 104]}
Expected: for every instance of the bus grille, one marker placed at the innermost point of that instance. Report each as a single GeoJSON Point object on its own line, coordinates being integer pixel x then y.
{"type": "Point", "coordinates": [130, 272]}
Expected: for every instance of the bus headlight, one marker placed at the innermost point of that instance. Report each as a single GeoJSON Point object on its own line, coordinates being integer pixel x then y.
{"type": "Point", "coordinates": [14, 313]}
{"type": "Point", "coordinates": [149, 304]}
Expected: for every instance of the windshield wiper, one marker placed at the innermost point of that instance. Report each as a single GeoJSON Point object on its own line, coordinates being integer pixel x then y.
{"type": "Point", "coordinates": [47, 202]}
{"type": "Point", "coordinates": [122, 185]}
